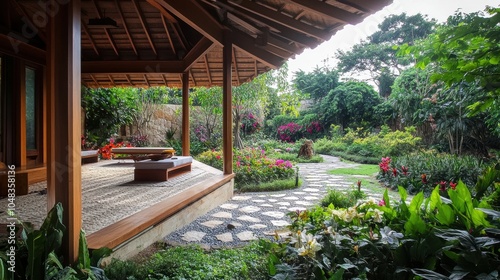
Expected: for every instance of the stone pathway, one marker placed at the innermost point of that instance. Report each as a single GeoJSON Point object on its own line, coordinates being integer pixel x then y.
{"type": "Point", "coordinates": [248, 216]}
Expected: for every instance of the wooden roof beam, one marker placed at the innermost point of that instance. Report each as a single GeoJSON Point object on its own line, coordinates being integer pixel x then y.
{"type": "Point", "coordinates": [25, 16]}
{"type": "Point", "coordinates": [247, 44]}
{"type": "Point", "coordinates": [201, 48]}
{"type": "Point", "coordinates": [163, 11]}
{"type": "Point", "coordinates": [236, 67]}
{"type": "Point", "coordinates": [280, 30]}
{"type": "Point", "coordinates": [86, 30]}
{"type": "Point", "coordinates": [113, 45]}
{"type": "Point", "coordinates": [207, 67]}
{"type": "Point", "coordinates": [366, 6]}
{"type": "Point", "coordinates": [168, 34]}
{"type": "Point", "coordinates": [133, 66]}
{"type": "Point", "coordinates": [126, 27]}
{"type": "Point", "coordinates": [329, 11]}
{"type": "Point", "coordinates": [196, 16]}
{"type": "Point", "coordinates": [256, 9]}
{"type": "Point", "coordinates": [143, 23]}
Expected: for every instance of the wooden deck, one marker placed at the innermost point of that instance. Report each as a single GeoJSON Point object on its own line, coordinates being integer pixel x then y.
{"type": "Point", "coordinates": [126, 215]}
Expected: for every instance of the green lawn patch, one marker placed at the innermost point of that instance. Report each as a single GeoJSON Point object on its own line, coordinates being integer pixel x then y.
{"type": "Point", "coordinates": [362, 169]}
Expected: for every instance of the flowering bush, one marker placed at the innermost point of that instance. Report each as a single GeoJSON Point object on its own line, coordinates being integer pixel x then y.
{"type": "Point", "coordinates": [251, 166]}
{"type": "Point", "coordinates": [429, 238]}
{"type": "Point", "coordinates": [249, 124]}
{"type": "Point", "coordinates": [105, 151]}
{"type": "Point", "coordinates": [314, 127]}
{"type": "Point", "coordinates": [425, 171]}
{"type": "Point", "coordinates": [290, 132]}
{"type": "Point", "coordinates": [139, 140]}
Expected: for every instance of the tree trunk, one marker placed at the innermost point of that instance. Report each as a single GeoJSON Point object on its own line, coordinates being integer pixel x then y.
{"type": "Point", "coordinates": [238, 143]}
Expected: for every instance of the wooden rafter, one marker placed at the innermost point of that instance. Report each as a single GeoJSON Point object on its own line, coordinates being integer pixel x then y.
{"type": "Point", "coordinates": [164, 80]}
{"type": "Point", "coordinates": [146, 80]}
{"type": "Point", "coordinates": [330, 11]}
{"type": "Point", "coordinates": [126, 27]}
{"type": "Point", "coordinates": [207, 68]}
{"type": "Point", "coordinates": [168, 34]}
{"type": "Point", "coordinates": [133, 66]}
{"type": "Point", "coordinates": [25, 16]}
{"type": "Point", "coordinates": [163, 11]}
{"type": "Point", "coordinates": [236, 67]}
{"type": "Point", "coordinates": [177, 31]}
{"type": "Point", "coordinates": [192, 77]}
{"type": "Point", "coordinates": [86, 30]}
{"type": "Point", "coordinates": [366, 6]}
{"type": "Point", "coordinates": [196, 16]}
{"type": "Point", "coordinates": [281, 19]}
{"type": "Point", "coordinates": [105, 30]}
{"type": "Point", "coordinates": [201, 48]}
{"type": "Point", "coordinates": [128, 79]}
{"type": "Point", "coordinates": [95, 81]}
{"type": "Point", "coordinates": [279, 30]}
{"type": "Point", "coordinates": [144, 25]}
{"type": "Point", "coordinates": [247, 44]}
{"type": "Point", "coordinates": [111, 79]}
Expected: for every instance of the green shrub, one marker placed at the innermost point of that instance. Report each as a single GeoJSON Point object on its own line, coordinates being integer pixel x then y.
{"type": "Point", "coordinates": [340, 199]}
{"type": "Point", "coordinates": [423, 171]}
{"type": "Point", "coordinates": [429, 238]}
{"type": "Point", "coordinates": [192, 262]}
{"type": "Point", "coordinates": [251, 166]}
{"type": "Point", "coordinates": [293, 157]}
{"type": "Point", "coordinates": [327, 146]}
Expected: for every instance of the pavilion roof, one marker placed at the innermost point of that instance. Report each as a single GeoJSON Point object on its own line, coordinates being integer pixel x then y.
{"type": "Point", "coordinates": [157, 40]}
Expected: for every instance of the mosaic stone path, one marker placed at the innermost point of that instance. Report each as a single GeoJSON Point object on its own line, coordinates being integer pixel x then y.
{"type": "Point", "coordinates": [249, 216]}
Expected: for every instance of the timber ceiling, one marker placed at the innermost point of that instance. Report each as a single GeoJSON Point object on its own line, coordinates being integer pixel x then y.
{"type": "Point", "coordinates": [157, 40]}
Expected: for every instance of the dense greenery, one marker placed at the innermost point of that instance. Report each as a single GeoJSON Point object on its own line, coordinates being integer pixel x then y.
{"type": "Point", "coordinates": [192, 262]}
{"type": "Point", "coordinates": [433, 238]}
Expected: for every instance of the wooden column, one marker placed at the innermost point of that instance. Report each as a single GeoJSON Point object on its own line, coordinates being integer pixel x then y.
{"type": "Point", "coordinates": [64, 82]}
{"type": "Point", "coordinates": [185, 115]}
{"type": "Point", "coordinates": [227, 117]}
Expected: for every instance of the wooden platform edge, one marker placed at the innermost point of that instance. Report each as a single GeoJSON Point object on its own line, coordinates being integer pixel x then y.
{"type": "Point", "coordinates": [115, 234]}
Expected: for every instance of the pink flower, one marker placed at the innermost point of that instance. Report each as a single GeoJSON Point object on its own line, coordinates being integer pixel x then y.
{"type": "Point", "coordinates": [238, 163]}
{"type": "Point", "coordinates": [381, 203]}
{"type": "Point", "coordinates": [218, 157]}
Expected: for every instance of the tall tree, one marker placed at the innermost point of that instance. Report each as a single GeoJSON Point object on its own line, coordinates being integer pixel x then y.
{"type": "Point", "coordinates": [318, 83]}
{"type": "Point", "coordinates": [350, 104]}
{"type": "Point", "coordinates": [376, 56]}
{"type": "Point", "coordinates": [466, 48]}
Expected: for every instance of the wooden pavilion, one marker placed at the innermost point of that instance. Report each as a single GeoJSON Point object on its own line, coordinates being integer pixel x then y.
{"type": "Point", "coordinates": [50, 48]}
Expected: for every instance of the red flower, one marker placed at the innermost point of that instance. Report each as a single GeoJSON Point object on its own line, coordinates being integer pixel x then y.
{"type": "Point", "coordinates": [359, 183]}
{"type": "Point", "coordinates": [442, 185]}
{"type": "Point", "coordinates": [404, 169]}
{"type": "Point", "coordinates": [424, 178]}
{"type": "Point", "coordinates": [394, 172]}
{"type": "Point", "coordinates": [453, 186]}
{"type": "Point", "coordinates": [217, 157]}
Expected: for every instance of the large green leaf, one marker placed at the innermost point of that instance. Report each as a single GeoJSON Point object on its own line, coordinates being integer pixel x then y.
{"type": "Point", "coordinates": [415, 224]}
{"type": "Point", "coordinates": [98, 254]}
{"type": "Point", "coordinates": [446, 215]}
{"type": "Point", "coordinates": [83, 253]}
{"type": "Point", "coordinates": [35, 243]}
{"type": "Point", "coordinates": [416, 203]}
{"type": "Point", "coordinates": [429, 274]}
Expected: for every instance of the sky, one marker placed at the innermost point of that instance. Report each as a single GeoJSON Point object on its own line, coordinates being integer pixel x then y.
{"type": "Point", "coordinates": [350, 35]}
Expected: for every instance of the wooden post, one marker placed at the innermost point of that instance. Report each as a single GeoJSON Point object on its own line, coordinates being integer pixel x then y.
{"type": "Point", "coordinates": [185, 115]}
{"type": "Point", "coordinates": [227, 117]}
{"type": "Point", "coordinates": [64, 82]}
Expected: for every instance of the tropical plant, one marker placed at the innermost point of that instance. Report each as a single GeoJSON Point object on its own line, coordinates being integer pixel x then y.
{"type": "Point", "coordinates": [38, 253]}
{"type": "Point", "coordinates": [433, 238]}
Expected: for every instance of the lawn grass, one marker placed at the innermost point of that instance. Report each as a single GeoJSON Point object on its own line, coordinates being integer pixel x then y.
{"type": "Point", "coordinates": [293, 158]}
{"type": "Point", "coordinates": [362, 169]}
{"type": "Point", "coordinates": [277, 185]}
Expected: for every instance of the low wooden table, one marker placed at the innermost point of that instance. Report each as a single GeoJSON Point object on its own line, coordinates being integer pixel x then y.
{"type": "Point", "coordinates": [90, 156]}
{"type": "Point", "coordinates": [162, 170]}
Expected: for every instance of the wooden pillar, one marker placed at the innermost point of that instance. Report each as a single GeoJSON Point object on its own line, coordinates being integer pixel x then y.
{"type": "Point", "coordinates": [64, 82]}
{"type": "Point", "coordinates": [185, 115]}
{"type": "Point", "coordinates": [227, 117]}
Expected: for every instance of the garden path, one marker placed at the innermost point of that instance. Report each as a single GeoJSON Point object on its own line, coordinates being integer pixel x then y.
{"type": "Point", "coordinates": [249, 216]}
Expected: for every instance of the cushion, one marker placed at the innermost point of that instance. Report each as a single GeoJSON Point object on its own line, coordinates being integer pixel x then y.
{"type": "Point", "coordinates": [164, 163]}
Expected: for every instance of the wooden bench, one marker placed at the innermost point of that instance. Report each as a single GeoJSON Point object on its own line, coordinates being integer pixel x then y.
{"type": "Point", "coordinates": [90, 156]}
{"type": "Point", "coordinates": [162, 170]}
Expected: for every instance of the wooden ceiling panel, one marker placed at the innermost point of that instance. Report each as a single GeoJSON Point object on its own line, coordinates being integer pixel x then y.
{"type": "Point", "coordinates": [186, 36]}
